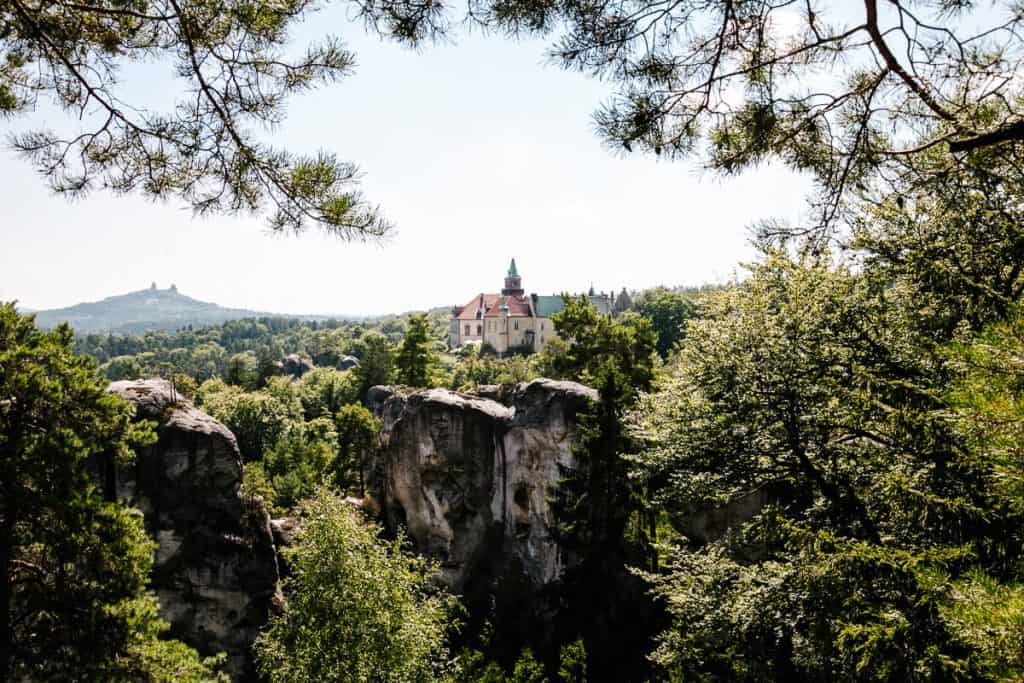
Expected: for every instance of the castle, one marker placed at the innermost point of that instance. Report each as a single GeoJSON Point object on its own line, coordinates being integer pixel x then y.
{"type": "Point", "coordinates": [512, 321]}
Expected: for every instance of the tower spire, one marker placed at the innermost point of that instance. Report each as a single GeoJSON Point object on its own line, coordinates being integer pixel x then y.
{"type": "Point", "coordinates": [513, 283]}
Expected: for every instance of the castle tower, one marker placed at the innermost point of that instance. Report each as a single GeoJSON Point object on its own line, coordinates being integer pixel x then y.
{"type": "Point", "coordinates": [513, 283]}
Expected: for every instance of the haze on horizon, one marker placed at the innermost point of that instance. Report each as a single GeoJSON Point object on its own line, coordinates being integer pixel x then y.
{"type": "Point", "coordinates": [478, 152]}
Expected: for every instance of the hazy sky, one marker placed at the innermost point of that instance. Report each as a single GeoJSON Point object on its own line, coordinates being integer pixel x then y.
{"type": "Point", "coordinates": [478, 152]}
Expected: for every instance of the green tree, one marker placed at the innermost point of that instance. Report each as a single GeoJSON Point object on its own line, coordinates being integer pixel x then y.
{"type": "Point", "coordinates": [122, 367]}
{"type": "Point", "coordinates": [257, 419]}
{"type": "Point", "coordinates": [809, 389]}
{"type": "Point", "coordinates": [414, 357]}
{"type": "Point", "coordinates": [358, 431]}
{"type": "Point", "coordinates": [203, 150]}
{"type": "Point", "coordinates": [301, 460]}
{"type": "Point", "coordinates": [360, 608]}
{"type": "Point", "coordinates": [846, 92]}
{"type": "Point", "coordinates": [668, 313]}
{"type": "Point", "coordinates": [73, 567]}
{"type": "Point", "coordinates": [596, 499]}
{"type": "Point", "coordinates": [243, 371]}
{"type": "Point", "coordinates": [376, 365]}
{"type": "Point", "coordinates": [324, 391]}
{"type": "Point", "coordinates": [527, 669]}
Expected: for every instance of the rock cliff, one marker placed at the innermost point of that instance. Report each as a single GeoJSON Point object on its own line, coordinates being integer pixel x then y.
{"type": "Point", "coordinates": [469, 475]}
{"type": "Point", "coordinates": [215, 570]}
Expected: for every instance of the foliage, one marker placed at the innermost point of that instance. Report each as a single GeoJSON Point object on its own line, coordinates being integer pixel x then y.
{"type": "Point", "coordinates": [595, 499]}
{"type": "Point", "coordinates": [73, 567]}
{"type": "Point", "coordinates": [324, 391]}
{"type": "Point", "coordinates": [471, 370]}
{"type": "Point", "coordinates": [954, 238]}
{"type": "Point", "coordinates": [358, 432]}
{"type": "Point", "coordinates": [206, 353]}
{"type": "Point", "coordinates": [376, 365]}
{"type": "Point", "coordinates": [234, 60]}
{"type": "Point", "coordinates": [257, 419]}
{"type": "Point", "coordinates": [414, 357]}
{"type": "Point", "coordinates": [301, 460]}
{"type": "Point", "coordinates": [988, 399]}
{"type": "Point", "coordinates": [474, 667]}
{"type": "Point", "coordinates": [989, 615]}
{"type": "Point", "coordinates": [668, 312]}
{"type": "Point", "coordinates": [846, 92]}
{"type": "Point", "coordinates": [243, 371]}
{"type": "Point", "coordinates": [359, 608]}
{"type": "Point", "coordinates": [811, 386]}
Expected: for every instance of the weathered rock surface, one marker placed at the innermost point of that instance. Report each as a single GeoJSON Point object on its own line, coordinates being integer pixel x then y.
{"type": "Point", "coordinates": [215, 570]}
{"type": "Point", "coordinates": [295, 365]}
{"type": "Point", "coordinates": [348, 362]}
{"type": "Point", "coordinates": [469, 475]}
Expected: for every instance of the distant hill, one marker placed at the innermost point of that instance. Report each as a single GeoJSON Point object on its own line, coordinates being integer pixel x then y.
{"type": "Point", "coordinates": [146, 309]}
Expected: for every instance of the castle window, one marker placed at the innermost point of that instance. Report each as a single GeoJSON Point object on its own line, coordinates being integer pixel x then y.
{"type": "Point", "coordinates": [479, 329]}
{"type": "Point", "coordinates": [467, 330]}
{"type": "Point", "coordinates": [542, 325]}
{"type": "Point", "coordinates": [516, 324]}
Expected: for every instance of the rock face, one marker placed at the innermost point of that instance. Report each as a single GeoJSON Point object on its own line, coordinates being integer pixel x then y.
{"type": "Point", "coordinates": [215, 570]}
{"type": "Point", "coordinates": [468, 475]}
{"type": "Point", "coordinates": [295, 365]}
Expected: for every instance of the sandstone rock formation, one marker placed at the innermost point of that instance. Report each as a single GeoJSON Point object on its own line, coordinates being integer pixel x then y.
{"type": "Point", "coordinates": [469, 476]}
{"type": "Point", "coordinates": [295, 365]}
{"type": "Point", "coordinates": [215, 570]}
{"type": "Point", "coordinates": [348, 362]}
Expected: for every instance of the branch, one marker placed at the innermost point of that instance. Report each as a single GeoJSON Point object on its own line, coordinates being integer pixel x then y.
{"type": "Point", "coordinates": [1014, 131]}
{"type": "Point", "coordinates": [871, 23]}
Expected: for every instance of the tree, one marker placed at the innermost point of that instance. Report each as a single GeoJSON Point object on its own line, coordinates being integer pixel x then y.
{"type": "Point", "coordinates": [806, 407]}
{"type": "Point", "coordinates": [668, 313]}
{"type": "Point", "coordinates": [257, 419]}
{"type": "Point", "coordinates": [376, 365]}
{"type": "Point", "coordinates": [954, 239]}
{"type": "Point", "coordinates": [324, 391]}
{"type": "Point", "coordinates": [845, 91]}
{"type": "Point", "coordinates": [358, 431]}
{"type": "Point", "coordinates": [243, 371]}
{"type": "Point", "coordinates": [73, 567]}
{"type": "Point", "coordinates": [232, 56]}
{"type": "Point", "coordinates": [360, 608]}
{"type": "Point", "coordinates": [596, 499]}
{"type": "Point", "coordinates": [414, 357]}
{"type": "Point", "coordinates": [301, 460]}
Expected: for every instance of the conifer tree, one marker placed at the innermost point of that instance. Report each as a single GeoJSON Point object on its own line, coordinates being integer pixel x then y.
{"type": "Point", "coordinates": [73, 567]}
{"type": "Point", "coordinates": [414, 357]}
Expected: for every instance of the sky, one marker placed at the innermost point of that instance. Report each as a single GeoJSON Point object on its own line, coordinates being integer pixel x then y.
{"type": "Point", "coordinates": [478, 152]}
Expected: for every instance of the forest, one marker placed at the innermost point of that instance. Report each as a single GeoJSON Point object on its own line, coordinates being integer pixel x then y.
{"type": "Point", "coordinates": [857, 390]}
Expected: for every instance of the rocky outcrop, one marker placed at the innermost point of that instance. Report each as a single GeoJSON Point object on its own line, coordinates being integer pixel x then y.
{"type": "Point", "coordinates": [215, 570]}
{"type": "Point", "coordinates": [295, 365]}
{"type": "Point", "coordinates": [469, 475]}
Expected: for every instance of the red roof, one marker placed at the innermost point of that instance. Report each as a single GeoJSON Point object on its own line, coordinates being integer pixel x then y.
{"type": "Point", "coordinates": [518, 307]}
{"type": "Point", "coordinates": [481, 302]}
{"type": "Point", "coordinates": [489, 306]}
